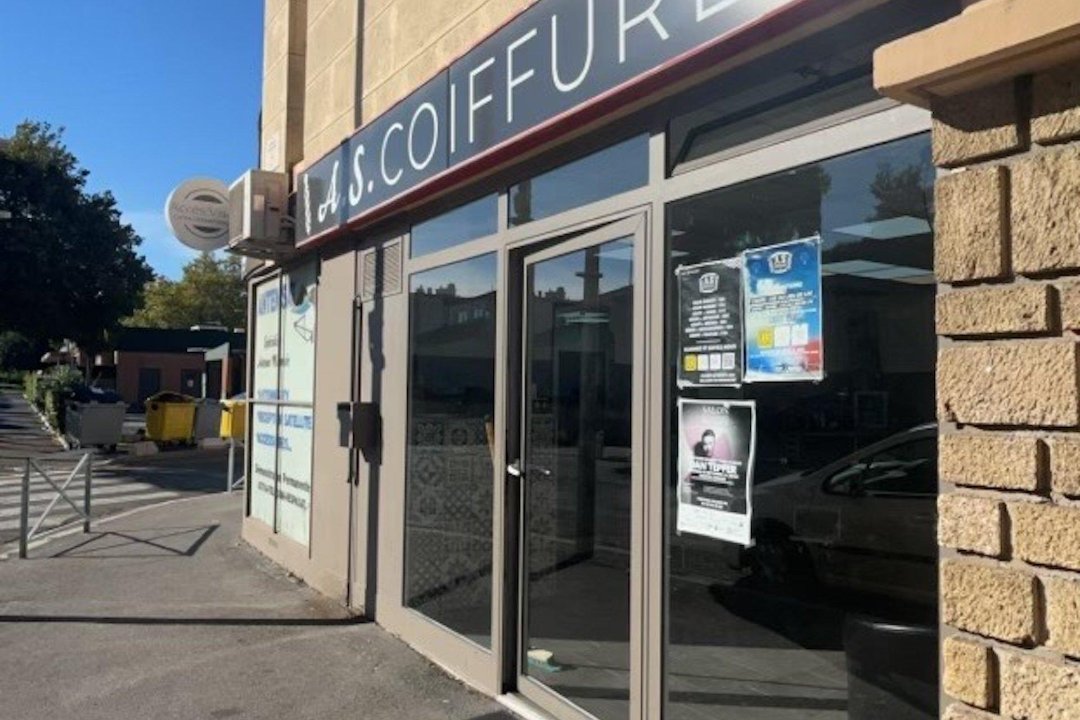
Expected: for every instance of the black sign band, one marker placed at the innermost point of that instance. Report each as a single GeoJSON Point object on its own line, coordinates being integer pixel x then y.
{"type": "Point", "coordinates": [553, 58]}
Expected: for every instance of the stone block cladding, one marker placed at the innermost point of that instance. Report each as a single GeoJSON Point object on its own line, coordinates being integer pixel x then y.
{"type": "Point", "coordinates": [1008, 313]}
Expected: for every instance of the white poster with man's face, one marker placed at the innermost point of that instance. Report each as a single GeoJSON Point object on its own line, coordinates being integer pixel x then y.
{"type": "Point", "coordinates": [716, 465]}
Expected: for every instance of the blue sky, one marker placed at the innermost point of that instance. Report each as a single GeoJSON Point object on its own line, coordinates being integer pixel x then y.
{"type": "Point", "coordinates": [151, 92]}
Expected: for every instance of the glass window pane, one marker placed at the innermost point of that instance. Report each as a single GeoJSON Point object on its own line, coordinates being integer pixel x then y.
{"type": "Point", "coordinates": [467, 222]}
{"type": "Point", "coordinates": [816, 77]}
{"type": "Point", "coordinates": [448, 497]}
{"type": "Point", "coordinates": [579, 339]}
{"type": "Point", "coordinates": [833, 609]}
{"type": "Point", "coordinates": [603, 174]}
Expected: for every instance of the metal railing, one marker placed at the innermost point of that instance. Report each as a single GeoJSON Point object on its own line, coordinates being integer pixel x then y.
{"type": "Point", "coordinates": [37, 466]}
{"type": "Point", "coordinates": [232, 482]}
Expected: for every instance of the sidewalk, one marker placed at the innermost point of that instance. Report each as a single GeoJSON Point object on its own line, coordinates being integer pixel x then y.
{"type": "Point", "coordinates": [165, 614]}
{"type": "Point", "coordinates": [21, 431]}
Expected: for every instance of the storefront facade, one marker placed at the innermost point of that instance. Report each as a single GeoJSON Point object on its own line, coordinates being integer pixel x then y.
{"type": "Point", "coordinates": [607, 372]}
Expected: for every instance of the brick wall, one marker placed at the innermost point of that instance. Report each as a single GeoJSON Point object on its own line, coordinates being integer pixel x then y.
{"type": "Point", "coordinates": [1008, 260]}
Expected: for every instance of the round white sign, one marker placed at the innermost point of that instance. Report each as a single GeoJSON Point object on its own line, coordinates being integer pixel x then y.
{"type": "Point", "coordinates": [198, 213]}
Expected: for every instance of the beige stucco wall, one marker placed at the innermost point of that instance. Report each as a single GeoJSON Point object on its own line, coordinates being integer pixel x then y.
{"type": "Point", "coordinates": [333, 384]}
{"type": "Point", "coordinates": [284, 48]}
{"type": "Point", "coordinates": [353, 75]}
{"type": "Point", "coordinates": [332, 74]}
{"type": "Point", "coordinates": [407, 41]}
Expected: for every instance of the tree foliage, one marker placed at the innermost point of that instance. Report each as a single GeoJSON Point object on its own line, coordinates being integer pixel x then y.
{"type": "Point", "coordinates": [70, 267]}
{"type": "Point", "coordinates": [210, 292]}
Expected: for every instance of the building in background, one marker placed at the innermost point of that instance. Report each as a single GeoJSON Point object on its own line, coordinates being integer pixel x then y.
{"type": "Point", "coordinates": [639, 359]}
{"type": "Point", "coordinates": [146, 361]}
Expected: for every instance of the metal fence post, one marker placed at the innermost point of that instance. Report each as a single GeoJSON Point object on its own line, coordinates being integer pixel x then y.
{"type": "Point", "coordinates": [24, 509]}
{"type": "Point", "coordinates": [232, 465]}
{"type": "Point", "coordinates": [89, 471]}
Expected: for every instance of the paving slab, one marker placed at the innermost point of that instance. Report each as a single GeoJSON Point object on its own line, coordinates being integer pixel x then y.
{"type": "Point", "coordinates": [167, 614]}
{"type": "Point", "coordinates": [21, 430]}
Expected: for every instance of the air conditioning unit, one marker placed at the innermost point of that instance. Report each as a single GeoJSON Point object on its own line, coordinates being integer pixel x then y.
{"type": "Point", "coordinates": [258, 213]}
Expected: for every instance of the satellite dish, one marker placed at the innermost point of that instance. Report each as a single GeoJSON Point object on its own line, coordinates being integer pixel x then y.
{"type": "Point", "coordinates": [198, 213]}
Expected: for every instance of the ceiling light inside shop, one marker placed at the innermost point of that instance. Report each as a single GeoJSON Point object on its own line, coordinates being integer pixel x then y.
{"type": "Point", "coordinates": [898, 227]}
{"type": "Point", "coordinates": [879, 271]}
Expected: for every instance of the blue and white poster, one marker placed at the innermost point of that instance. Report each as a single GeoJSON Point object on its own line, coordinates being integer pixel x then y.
{"type": "Point", "coordinates": [782, 312]}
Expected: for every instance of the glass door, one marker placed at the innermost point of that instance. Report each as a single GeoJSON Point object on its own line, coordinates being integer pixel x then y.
{"type": "Point", "coordinates": [579, 476]}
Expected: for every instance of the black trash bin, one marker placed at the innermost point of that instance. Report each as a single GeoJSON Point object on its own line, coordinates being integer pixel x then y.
{"type": "Point", "coordinates": [892, 669]}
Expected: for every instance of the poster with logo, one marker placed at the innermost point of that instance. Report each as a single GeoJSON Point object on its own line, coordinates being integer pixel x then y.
{"type": "Point", "coordinates": [710, 324]}
{"type": "Point", "coordinates": [294, 472]}
{"type": "Point", "coordinates": [717, 441]}
{"type": "Point", "coordinates": [299, 291]}
{"type": "Point", "coordinates": [782, 312]}
{"type": "Point", "coordinates": [266, 340]}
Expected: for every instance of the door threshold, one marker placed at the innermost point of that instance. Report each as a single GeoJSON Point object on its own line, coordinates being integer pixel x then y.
{"type": "Point", "coordinates": [521, 707]}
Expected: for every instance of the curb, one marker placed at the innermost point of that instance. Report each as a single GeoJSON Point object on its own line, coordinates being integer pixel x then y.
{"type": "Point", "coordinates": [57, 436]}
{"type": "Point", "coordinates": [166, 455]}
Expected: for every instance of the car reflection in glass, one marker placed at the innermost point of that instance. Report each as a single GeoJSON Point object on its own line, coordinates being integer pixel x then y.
{"type": "Point", "coordinates": [864, 524]}
{"type": "Point", "coordinates": [844, 558]}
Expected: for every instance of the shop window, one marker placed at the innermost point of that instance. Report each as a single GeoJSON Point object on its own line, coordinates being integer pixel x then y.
{"type": "Point", "coordinates": [473, 220]}
{"type": "Point", "coordinates": [283, 382]}
{"type": "Point", "coordinates": [824, 75]}
{"type": "Point", "coordinates": [449, 470]}
{"type": "Point", "coordinates": [603, 174]}
{"type": "Point", "coordinates": [830, 610]}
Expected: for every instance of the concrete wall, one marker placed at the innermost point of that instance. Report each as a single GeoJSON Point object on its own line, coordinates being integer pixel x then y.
{"type": "Point", "coordinates": [1008, 314]}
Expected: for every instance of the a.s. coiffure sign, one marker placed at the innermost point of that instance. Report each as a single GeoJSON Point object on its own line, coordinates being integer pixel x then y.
{"type": "Point", "coordinates": [554, 57]}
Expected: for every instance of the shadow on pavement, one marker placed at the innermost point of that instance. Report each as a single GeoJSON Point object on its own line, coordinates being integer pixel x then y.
{"type": "Point", "coordinates": [92, 547]}
{"type": "Point", "coordinates": [136, 620]}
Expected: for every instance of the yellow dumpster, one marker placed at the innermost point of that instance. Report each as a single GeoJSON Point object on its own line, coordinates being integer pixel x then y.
{"type": "Point", "coordinates": [234, 418]}
{"type": "Point", "coordinates": [170, 417]}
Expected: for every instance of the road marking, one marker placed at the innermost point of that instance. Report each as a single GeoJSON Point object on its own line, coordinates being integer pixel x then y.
{"type": "Point", "coordinates": [140, 497]}
{"type": "Point", "coordinates": [46, 493]}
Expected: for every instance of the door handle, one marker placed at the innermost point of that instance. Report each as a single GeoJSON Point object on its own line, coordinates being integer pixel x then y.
{"type": "Point", "coordinates": [516, 470]}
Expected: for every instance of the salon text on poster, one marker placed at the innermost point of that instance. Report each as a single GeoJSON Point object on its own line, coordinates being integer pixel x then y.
{"type": "Point", "coordinates": [716, 462]}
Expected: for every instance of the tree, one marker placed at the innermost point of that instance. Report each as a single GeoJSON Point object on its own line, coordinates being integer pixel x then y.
{"type": "Point", "coordinates": [71, 269]}
{"type": "Point", "coordinates": [18, 352]}
{"type": "Point", "coordinates": [210, 292]}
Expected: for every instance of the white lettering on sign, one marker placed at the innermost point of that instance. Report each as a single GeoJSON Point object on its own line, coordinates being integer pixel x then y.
{"type": "Point", "coordinates": [706, 10]}
{"type": "Point", "coordinates": [475, 104]}
{"type": "Point", "coordinates": [389, 180]}
{"type": "Point", "coordinates": [356, 185]}
{"type": "Point", "coordinates": [429, 109]}
{"type": "Point", "coordinates": [590, 37]}
{"type": "Point", "coordinates": [453, 118]}
{"type": "Point", "coordinates": [626, 26]}
{"type": "Point", "coordinates": [333, 197]}
{"type": "Point", "coordinates": [512, 81]}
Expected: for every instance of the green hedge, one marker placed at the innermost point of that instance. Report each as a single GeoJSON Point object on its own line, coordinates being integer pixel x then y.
{"type": "Point", "coordinates": [50, 391]}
